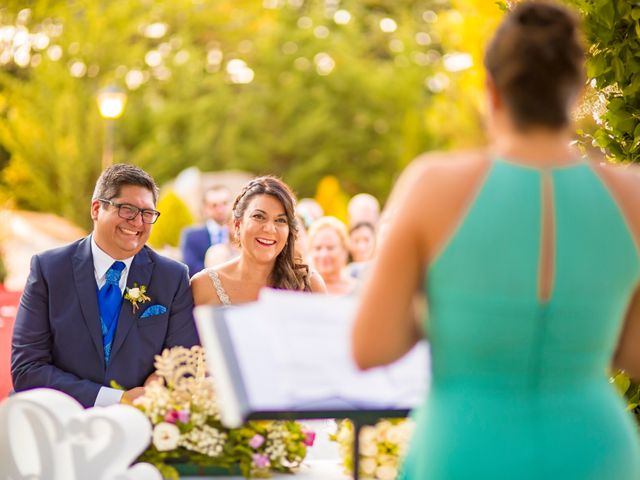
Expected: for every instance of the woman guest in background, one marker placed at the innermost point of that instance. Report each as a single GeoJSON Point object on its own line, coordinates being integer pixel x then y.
{"type": "Point", "coordinates": [265, 229]}
{"type": "Point", "coordinates": [528, 256]}
{"type": "Point", "coordinates": [362, 246]}
{"type": "Point", "coordinates": [328, 251]}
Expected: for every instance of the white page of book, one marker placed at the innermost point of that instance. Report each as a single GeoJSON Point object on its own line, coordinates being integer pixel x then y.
{"type": "Point", "coordinates": [294, 352]}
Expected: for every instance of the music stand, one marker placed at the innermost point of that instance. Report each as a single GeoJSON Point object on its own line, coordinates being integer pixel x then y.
{"type": "Point", "coordinates": [287, 357]}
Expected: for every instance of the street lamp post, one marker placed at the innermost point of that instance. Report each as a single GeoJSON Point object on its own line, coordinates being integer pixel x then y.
{"type": "Point", "coordinates": [111, 102]}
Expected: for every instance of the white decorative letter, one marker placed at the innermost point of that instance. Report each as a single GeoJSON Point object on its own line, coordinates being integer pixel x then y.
{"type": "Point", "coordinates": [47, 435]}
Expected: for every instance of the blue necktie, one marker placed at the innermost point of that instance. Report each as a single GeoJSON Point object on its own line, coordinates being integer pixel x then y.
{"type": "Point", "coordinates": [109, 303]}
{"type": "Point", "coordinates": [219, 237]}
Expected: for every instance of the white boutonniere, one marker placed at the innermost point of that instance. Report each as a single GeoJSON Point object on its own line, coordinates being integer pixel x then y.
{"type": "Point", "coordinates": [136, 295]}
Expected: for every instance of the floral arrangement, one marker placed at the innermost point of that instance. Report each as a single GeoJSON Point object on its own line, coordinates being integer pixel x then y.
{"type": "Point", "coordinates": [181, 406]}
{"type": "Point", "coordinates": [382, 447]}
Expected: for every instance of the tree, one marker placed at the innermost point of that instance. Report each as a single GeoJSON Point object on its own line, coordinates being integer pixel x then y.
{"type": "Point", "coordinates": [301, 89]}
{"type": "Point", "coordinates": [612, 29]}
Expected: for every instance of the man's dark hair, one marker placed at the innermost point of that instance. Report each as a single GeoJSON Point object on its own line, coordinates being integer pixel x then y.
{"type": "Point", "coordinates": [120, 175]}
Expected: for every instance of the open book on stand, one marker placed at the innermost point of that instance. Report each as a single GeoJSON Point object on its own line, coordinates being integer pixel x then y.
{"type": "Point", "coordinates": [288, 355]}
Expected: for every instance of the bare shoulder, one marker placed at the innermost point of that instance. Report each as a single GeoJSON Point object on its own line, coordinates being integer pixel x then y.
{"type": "Point", "coordinates": [316, 282]}
{"type": "Point", "coordinates": [437, 167]}
{"type": "Point", "coordinates": [627, 175]}
{"type": "Point", "coordinates": [431, 176]}
{"type": "Point", "coordinates": [436, 188]}
{"type": "Point", "coordinates": [623, 181]}
{"type": "Point", "coordinates": [202, 288]}
{"type": "Point", "coordinates": [201, 274]}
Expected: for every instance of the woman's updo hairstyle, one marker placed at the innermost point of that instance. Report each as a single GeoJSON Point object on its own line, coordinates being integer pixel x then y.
{"type": "Point", "coordinates": [536, 61]}
{"type": "Point", "coordinates": [288, 273]}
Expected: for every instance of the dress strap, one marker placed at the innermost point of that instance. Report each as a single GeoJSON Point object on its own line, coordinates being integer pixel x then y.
{"type": "Point", "coordinates": [217, 284]}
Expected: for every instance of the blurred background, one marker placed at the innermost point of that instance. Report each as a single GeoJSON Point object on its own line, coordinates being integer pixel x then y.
{"type": "Point", "coordinates": [302, 89]}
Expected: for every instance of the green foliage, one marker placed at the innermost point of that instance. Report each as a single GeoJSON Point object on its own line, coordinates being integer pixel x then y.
{"type": "Point", "coordinates": [631, 391]}
{"type": "Point", "coordinates": [347, 100]}
{"type": "Point", "coordinates": [612, 29]}
{"type": "Point", "coordinates": [175, 216]}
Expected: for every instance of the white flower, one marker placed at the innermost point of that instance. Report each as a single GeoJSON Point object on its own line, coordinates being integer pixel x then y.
{"type": "Point", "coordinates": [134, 293]}
{"type": "Point", "coordinates": [386, 459]}
{"type": "Point", "coordinates": [386, 472]}
{"type": "Point", "coordinates": [344, 434]}
{"type": "Point", "coordinates": [395, 435]}
{"type": "Point", "coordinates": [369, 449]}
{"type": "Point", "coordinates": [367, 434]}
{"type": "Point", "coordinates": [368, 466]}
{"type": "Point", "coordinates": [165, 436]}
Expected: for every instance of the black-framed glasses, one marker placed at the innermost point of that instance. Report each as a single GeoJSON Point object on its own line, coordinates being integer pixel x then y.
{"type": "Point", "coordinates": [130, 212]}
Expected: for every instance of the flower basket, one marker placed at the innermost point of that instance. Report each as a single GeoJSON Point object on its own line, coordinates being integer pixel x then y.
{"type": "Point", "coordinates": [382, 447]}
{"type": "Point", "coordinates": [193, 470]}
{"type": "Point", "coordinates": [188, 437]}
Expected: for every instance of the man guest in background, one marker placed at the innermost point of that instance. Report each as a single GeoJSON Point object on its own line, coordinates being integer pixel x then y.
{"type": "Point", "coordinates": [195, 241]}
{"type": "Point", "coordinates": [363, 207]}
{"type": "Point", "coordinates": [100, 309]}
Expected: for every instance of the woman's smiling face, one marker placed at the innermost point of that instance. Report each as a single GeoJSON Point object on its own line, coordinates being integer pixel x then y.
{"type": "Point", "coordinates": [264, 229]}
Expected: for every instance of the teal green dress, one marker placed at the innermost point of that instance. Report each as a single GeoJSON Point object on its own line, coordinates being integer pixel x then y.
{"type": "Point", "coordinates": [519, 387]}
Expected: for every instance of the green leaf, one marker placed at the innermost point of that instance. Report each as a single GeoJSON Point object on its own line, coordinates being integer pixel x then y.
{"type": "Point", "coordinates": [618, 69]}
{"type": "Point", "coordinates": [597, 66]}
{"type": "Point", "coordinates": [606, 13]}
{"type": "Point", "coordinates": [116, 385]}
{"type": "Point", "coordinates": [622, 382]}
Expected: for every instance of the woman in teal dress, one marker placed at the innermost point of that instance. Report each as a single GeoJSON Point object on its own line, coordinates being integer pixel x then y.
{"type": "Point", "coordinates": [528, 257]}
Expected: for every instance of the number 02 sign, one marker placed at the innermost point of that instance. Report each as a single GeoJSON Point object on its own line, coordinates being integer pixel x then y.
{"type": "Point", "coordinates": [47, 435]}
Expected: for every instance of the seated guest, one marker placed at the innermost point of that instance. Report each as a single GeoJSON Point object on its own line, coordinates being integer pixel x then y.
{"type": "Point", "coordinates": [220, 253]}
{"type": "Point", "coordinates": [265, 231]}
{"type": "Point", "coordinates": [363, 207]}
{"type": "Point", "coordinates": [308, 210]}
{"type": "Point", "coordinates": [195, 241]}
{"type": "Point", "coordinates": [328, 250]}
{"type": "Point", "coordinates": [74, 331]}
{"type": "Point", "coordinates": [362, 245]}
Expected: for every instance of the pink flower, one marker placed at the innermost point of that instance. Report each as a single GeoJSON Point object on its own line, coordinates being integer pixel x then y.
{"type": "Point", "coordinates": [183, 416]}
{"type": "Point", "coordinates": [171, 416]}
{"type": "Point", "coordinates": [309, 438]}
{"type": "Point", "coordinates": [256, 441]}
{"type": "Point", "coordinates": [259, 460]}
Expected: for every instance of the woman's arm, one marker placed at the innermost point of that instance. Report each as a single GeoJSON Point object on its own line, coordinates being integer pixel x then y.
{"type": "Point", "coordinates": [316, 282]}
{"type": "Point", "coordinates": [627, 356]}
{"type": "Point", "coordinates": [624, 185]}
{"type": "Point", "coordinates": [386, 327]}
{"type": "Point", "coordinates": [427, 203]}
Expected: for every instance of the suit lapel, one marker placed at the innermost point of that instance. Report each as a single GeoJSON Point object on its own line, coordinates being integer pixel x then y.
{"type": "Point", "coordinates": [85, 280]}
{"type": "Point", "coordinates": [141, 268]}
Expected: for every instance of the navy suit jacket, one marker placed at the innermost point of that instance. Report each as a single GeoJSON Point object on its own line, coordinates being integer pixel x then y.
{"type": "Point", "coordinates": [194, 245]}
{"type": "Point", "coordinates": [57, 342]}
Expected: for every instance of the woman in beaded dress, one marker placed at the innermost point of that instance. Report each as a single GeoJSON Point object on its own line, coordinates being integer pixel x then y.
{"type": "Point", "coordinates": [265, 230]}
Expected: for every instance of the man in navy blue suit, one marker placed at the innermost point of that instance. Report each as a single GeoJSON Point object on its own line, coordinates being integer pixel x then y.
{"type": "Point", "coordinates": [100, 309]}
{"type": "Point", "coordinates": [196, 241]}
